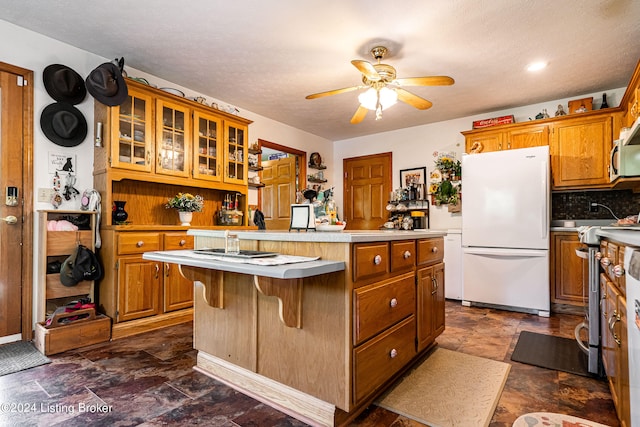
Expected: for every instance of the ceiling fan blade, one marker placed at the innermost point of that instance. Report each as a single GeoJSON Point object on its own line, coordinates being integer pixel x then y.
{"type": "Point", "coordinates": [359, 116]}
{"type": "Point", "coordinates": [426, 81]}
{"type": "Point", "coordinates": [367, 69]}
{"type": "Point", "coordinates": [332, 92]}
{"type": "Point", "coordinates": [413, 100]}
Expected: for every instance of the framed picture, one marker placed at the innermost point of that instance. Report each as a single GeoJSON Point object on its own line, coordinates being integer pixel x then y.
{"type": "Point", "coordinates": [412, 176]}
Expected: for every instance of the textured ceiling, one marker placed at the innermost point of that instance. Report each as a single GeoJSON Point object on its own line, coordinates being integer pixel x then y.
{"type": "Point", "coordinates": [266, 56]}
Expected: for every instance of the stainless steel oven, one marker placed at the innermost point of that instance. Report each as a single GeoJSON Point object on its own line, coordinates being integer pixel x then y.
{"type": "Point", "coordinates": [591, 288]}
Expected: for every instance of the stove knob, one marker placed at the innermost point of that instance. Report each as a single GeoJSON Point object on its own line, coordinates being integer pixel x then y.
{"type": "Point", "coordinates": [605, 261]}
{"type": "Point", "coordinates": [618, 270]}
{"type": "Point", "coordinates": [598, 255]}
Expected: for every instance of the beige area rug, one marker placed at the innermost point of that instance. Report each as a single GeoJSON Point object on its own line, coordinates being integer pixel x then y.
{"type": "Point", "coordinates": [449, 389]}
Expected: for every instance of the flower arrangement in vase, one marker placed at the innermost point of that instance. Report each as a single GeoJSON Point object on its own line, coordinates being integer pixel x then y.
{"type": "Point", "coordinates": [186, 204]}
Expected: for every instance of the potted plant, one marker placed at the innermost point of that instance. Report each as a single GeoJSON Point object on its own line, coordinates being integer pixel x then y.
{"type": "Point", "coordinates": [186, 204]}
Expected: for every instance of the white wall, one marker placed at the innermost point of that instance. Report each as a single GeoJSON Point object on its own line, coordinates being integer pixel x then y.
{"type": "Point", "coordinates": [27, 49]}
{"type": "Point", "coordinates": [415, 147]}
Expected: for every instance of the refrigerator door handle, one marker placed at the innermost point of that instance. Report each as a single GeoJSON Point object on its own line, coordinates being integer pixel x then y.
{"type": "Point", "coordinates": [505, 252]}
{"type": "Point", "coordinates": [544, 186]}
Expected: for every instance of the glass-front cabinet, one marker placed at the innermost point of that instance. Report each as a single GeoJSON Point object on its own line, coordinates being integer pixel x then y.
{"type": "Point", "coordinates": [133, 131]}
{"type": "Point", "coordinates": [235, 155]}
{"type": "Point", "coordinates": [207, 152]}
{"type": "Point", "coordinates": [173, 138]}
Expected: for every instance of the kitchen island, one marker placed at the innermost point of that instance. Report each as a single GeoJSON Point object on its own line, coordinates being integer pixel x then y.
{"type": "Point", "coordinates": [321, 339]}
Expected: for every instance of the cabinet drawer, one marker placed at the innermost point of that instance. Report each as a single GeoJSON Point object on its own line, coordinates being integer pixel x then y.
{"type": "Point", "coordinates": [403, 255]}
{"type": "Point", "coordinates": [137, 243]}
{"type": "Point", "coordinates": [379, 359]}
{"type": "Point", "coordinates": [430, 251]}
{"type": "Point", "coordinates": [176, 241]}
{"type": "Point", "coordinates": [381, 305]}
{"type": "Point", "coordinates": [370, 259]}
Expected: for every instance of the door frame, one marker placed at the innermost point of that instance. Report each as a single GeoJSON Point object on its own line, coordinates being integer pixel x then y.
{"type": "Point", "coordinates": [302, 155]}
{"type": "Point", "coordinates": [27, 202]}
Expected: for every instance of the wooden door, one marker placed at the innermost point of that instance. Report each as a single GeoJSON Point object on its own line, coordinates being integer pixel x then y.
{"type": "Point", "coordinates": [16, 213]}
{"type": "Point", "coordinates": [424, 313]}
{"type": "Point", "coordinates": [279, 192]}
{"type": "Point", "coordinates": [367, 185]}
{"type": "Point", "coordinates": [580, 152]}
{"type": "Point", "coordinates": [178, 291]}
{"type": "Point", "coordinates": [530, 136]}
{"type": "Point", "coordinates": [138, 288]}
{"type": "Point", "coordinates": [437, 301]}
{"type": "Point", "coordinates": [567, 281]}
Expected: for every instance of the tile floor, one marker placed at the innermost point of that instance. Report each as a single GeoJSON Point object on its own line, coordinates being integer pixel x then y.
{"type": "Point", "coordinates": [147, 380]}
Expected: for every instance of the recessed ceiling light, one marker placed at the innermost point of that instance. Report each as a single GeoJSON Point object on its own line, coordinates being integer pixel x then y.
{"type": "Point", "coordinates": [536, 66]}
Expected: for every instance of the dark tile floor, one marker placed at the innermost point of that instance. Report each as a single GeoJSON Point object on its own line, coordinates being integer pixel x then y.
{"type": "Point", "coordinates": [148, 380]}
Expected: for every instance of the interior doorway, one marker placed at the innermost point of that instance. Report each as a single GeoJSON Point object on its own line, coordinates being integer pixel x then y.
{"type": "Point", "coordinates": [16, 213]}
{"type": "Point", "coordinates": [284, 173]}
{"type": "Point", "coordinates": [367, 185]}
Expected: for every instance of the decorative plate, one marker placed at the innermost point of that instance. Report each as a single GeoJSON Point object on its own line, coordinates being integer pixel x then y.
{"type": "Point", "coordinates": [315, 160]}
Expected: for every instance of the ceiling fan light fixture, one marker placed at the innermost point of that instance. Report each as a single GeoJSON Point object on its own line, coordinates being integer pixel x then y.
{"type": "Point", "coordinates": [536, 66]}
{"type": "Point", "coordinates": [385, 97]}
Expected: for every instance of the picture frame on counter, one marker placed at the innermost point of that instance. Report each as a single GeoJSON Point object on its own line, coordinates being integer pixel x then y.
{"type": "Point", "coordinates": [413, 176]}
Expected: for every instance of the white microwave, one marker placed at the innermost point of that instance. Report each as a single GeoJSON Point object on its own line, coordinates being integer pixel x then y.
{"type": "Point", "coordinates": [624, 160]}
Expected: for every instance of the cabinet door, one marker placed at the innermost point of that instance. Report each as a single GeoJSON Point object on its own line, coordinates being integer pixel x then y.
{"type": "Point", "coordinates": [178, 291]}
{"type": "Point", "coordinates": [567, 270]}
{"type": "Point", "coordinates": [580, 152]}
{"type": "Point", "coordinates": [132, 133]}
{"type": "Point", "coordinates": [484, 142]}
{"type": "Point", "coordinates": [172, 139]}
{"type": "Point", "coordinates": [138, 288]}
{"type": "Point", "coordinates": [207, 136]}
{"type": "Point", "coordinates": [530, 136]}
{"type": "Point", "coordinates": [235, 153]}
{"type": "Point", "coordinates": [430, 309]}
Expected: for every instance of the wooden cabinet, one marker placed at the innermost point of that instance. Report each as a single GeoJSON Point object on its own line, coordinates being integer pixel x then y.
{"type": "Point", "coordinates": [207, 148]}
{"type": "Point", "coordinates": [173, 138]}
{"type": "Point", "coordinates": [568, 271]}
{"type": "Point", "coordinates": [506, 137]}
{"type": "Point", "coordinates": [430, 298]}
{"type": "Point", "coordinates": [55, 248]}
{"type": "Point", "coordinates": [398, 312]}
{"type": "Point", "coordinates": [144, 291]}
{"type": "Point", "coordinates": [580, 149]}
{"type": "Point", "coordinates": [235, 153]}
{"type": "Point", "coordinates": [613, 327]}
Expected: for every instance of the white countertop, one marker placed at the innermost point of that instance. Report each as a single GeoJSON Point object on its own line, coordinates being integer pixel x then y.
{"type": "Point", "coordinates": [285, 271]}
{"type": "Point", "coordinates": [630, 236]}
{"type": "Point", "coordinates": [347, 236]}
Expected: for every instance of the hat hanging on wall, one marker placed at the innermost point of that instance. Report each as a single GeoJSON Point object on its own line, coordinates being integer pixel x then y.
{"type": "Point", "coordinates": [63, 124]}
{"type": "Point", "coordinates": [63, 84]}
{"type": "Point", "coordinates": [106, 84]}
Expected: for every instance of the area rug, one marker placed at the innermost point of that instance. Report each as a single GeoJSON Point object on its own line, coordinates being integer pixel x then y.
{"type": "Point", "coordinates": [546, 351]}
{"type": "Point", "coordinates": [548, 419]}
{"type": "Point", "coordinates": [449, 389]}
{"type": "Point", "coordinates": [18, 356]}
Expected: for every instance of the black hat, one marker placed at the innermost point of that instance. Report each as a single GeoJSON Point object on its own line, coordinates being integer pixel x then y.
{"type": "Point", "coordinates": [63, 84]}
{"type": "Point", "coordinates": [81, 265]}
{"type": "Point", "coordinates": [107, 85]}
{"type": "Point", "coordinates": [63, 124]}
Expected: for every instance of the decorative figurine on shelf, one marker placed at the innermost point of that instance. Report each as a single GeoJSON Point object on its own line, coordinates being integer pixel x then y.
{"type": "Point", "coordinates": [545, 115]}
{"type": "Point", "coordinates": [560, 111]}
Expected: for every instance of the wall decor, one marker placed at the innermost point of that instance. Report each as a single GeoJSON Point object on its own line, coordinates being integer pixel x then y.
{"type": "Point", "coordinates": [412, 177]}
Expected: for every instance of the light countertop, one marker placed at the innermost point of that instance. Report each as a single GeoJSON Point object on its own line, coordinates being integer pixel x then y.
{"type": "Point", "coordinates": [347, 236]}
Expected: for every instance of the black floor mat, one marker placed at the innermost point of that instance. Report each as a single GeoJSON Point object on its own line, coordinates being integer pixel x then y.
{"type": "Point", "coordinates": [546, 351]}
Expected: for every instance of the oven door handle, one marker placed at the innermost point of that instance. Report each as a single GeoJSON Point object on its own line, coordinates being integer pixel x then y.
{"type": "Point", "coordinates": [576, 332]}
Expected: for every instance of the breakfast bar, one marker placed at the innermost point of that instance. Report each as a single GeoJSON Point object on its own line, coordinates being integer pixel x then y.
{"type": "Point", "coordinates": [318, 339]}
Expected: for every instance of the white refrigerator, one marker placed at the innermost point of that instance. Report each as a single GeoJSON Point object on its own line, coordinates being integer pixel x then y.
{"type": "Point", "coordinates": [505, 229]}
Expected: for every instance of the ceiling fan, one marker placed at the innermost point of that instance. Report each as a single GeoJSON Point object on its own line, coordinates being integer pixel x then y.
{"type": "Point", "coordinates": [383, 87]}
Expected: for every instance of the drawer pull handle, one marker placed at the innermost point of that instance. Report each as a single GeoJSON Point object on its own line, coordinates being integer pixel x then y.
{"type": "Point", "coordinates": [377, 260]}
{"type": "Point", "coordinates": [434, 249]}
{"type": "Point", "coordinates": [157, 271]}
{"type": "Point", "coordinates": [166, 269]}
{"type": "Point", "coordinates": [618, 270]}
{"type": "Point", "coordinates": [140, 243]}
{"type": "Point", "coordinates": [406, 255]}
{"type": "Point", "coordinates": [183, 242]}
{"type": "Point", "coordinates": [393, 303]}
{"type": "Point", "coordinates": [393, 353]}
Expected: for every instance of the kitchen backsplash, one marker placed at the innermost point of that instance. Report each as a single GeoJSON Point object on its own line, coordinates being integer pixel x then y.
{"type": "Point", "coordinates": [575, 205]}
